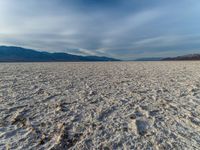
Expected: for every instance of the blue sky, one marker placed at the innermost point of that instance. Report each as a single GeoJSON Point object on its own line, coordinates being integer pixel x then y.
{"type": "Point", "coordinates": [125, 29]}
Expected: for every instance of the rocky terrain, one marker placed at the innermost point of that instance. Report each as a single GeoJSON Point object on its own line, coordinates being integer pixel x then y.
{"type": "Point", "coordinates": [113, 105]}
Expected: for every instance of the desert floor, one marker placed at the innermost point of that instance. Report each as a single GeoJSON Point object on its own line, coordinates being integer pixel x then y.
{"type": "Point", "coordinates": [113, 105]}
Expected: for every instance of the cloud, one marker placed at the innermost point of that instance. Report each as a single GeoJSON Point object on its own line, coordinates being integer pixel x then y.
{"type": "Point", "coordinates": [121, 29]}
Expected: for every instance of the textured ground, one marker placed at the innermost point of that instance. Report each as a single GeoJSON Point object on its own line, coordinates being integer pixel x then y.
{"type": "Point", "coordinates": [123, 105]}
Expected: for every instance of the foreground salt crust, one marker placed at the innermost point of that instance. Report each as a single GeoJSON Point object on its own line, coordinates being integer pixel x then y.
{"type": "Point", "coordinates": [119, 105]}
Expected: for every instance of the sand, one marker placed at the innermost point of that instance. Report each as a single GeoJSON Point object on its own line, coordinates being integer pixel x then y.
{"type": "Point", "coordinates": [114, 105]}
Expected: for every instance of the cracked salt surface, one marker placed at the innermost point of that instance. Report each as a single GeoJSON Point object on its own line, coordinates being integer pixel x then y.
{"type": "Point", "coordinates": [114, 105]}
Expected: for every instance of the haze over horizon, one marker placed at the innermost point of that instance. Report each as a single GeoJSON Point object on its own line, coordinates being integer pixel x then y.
{"type": "Point", "coordinates": [113, 28]}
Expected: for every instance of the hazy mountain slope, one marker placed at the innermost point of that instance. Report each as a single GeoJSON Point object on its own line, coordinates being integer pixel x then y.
{"type": "Point", "coordinates": [149, 59]}
{"type": "Point", "coordinates": [185, 57]}
{"type": "Point", "coordinates": [18, 54]}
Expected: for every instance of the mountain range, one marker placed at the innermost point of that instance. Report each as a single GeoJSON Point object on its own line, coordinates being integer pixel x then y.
{"type": "Point", "coordinates": [184, 57]}
{"type": "Point", "coordinates": [178, 58]}
{"type": "Point", "coordinates": [149, 59]}
{"type": "Point", "coordinates": [18, 54]}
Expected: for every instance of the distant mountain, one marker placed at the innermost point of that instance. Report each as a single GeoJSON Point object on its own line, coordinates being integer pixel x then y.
{"type": "Point", "coordinates": [184, 57]}
{"type": "Point", "coordinates": [149, 59]}
{"type": "Point", "coordinates": [18, 54]}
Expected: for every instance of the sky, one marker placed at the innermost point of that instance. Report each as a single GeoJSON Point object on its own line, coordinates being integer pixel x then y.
{"type": "Point", "coordinates": [124, 29]}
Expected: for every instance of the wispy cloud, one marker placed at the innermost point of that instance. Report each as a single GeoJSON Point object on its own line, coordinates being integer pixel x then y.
{"type": "Point", "coordinates": [122, 29]}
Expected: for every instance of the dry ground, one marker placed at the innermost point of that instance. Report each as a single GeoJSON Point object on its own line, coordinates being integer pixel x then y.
{"type": "Point", "coordinates": [114, 105]}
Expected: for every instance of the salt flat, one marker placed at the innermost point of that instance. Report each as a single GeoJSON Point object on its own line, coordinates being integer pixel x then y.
{"type": "Point", "coordinates": [114, 105]}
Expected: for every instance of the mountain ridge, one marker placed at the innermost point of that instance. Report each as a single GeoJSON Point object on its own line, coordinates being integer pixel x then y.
{"type": "Point", "coordinates": [20, 54]}
{"type": "Point", "coordinates": [183, 57]}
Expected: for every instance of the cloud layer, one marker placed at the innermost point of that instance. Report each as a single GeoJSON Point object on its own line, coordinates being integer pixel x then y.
{"type": "Point", "coordinates": [114, 28]}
